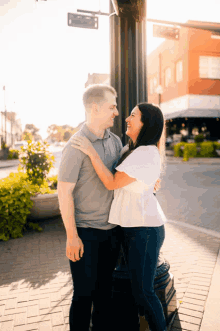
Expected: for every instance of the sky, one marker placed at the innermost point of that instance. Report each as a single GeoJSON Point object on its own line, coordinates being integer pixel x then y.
{"type": "Point", "coordinates": [44, 63]}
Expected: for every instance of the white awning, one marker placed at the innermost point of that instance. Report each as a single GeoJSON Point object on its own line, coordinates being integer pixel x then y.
{"type": "Point", "coordinates": [193, 113]}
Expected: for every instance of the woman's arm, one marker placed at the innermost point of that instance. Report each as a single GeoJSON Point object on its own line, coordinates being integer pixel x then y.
{"type": "Point", "coordinates": [111, 182]}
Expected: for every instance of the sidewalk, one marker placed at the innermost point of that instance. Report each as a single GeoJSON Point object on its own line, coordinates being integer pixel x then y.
{"type": "Point", "coordinates": [36, 284]}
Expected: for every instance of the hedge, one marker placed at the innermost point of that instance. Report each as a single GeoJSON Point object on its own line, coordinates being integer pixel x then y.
{"type": "Point", "coordinates": [203, 149]}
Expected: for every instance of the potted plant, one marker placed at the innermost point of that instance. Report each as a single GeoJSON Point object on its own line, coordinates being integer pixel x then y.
{"type": "Point", "coordinates": [29, 193]}
{"type": "Point", "coordinates": [37, 161]}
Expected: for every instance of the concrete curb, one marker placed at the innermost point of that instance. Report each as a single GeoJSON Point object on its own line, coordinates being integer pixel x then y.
{"type": "Point", "coordinates": [197, 228]}
{"type": "Point", "coordinates": [178, 160]}
{"type": "Point", "coordinates": [211, 317]}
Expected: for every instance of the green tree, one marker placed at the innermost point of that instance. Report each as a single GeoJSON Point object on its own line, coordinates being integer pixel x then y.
{"type": "Point", "coordinates": [27, 136]}
{"type": "Point", "coordinates": [60, 132]}
{"type": "Point", "coordinates": [33, 130]}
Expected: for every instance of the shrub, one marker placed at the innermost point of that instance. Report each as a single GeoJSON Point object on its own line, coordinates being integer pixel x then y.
{"type": "Point", "coordinates": [207, 149]}
{"type": "Point", "coordinates": [178, 152]}
{"type": "Point", "coordinates": [199, 138]}
{"type": "Point", "coordinates": [37, 161]}
{"type": "Point", "coordinates": [3, 145]}
{"type": "Point", "coordinates": [190, 150]}
{"type": "Point", "coordinates": [52, 182]}
{"type": "Point", "coordinates": [15, 205]}
{"type": "Point", "coordinates": [13, 154]}
{"type": "Point", "coordinates": [216, 146]}
{"type": "Point", "coordinates": [17, 189]}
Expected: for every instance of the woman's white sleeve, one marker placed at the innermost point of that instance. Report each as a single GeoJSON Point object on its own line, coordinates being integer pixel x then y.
{"type": "Point", "coordinates": [143, 164]}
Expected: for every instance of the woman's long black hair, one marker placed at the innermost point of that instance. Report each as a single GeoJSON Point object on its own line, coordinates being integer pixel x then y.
{"type": "Point", "coordinates": [151, 132]}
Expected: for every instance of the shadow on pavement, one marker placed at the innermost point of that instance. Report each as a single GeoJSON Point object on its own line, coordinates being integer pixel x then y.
{"type": "Point", "coordinates": [36, 259]}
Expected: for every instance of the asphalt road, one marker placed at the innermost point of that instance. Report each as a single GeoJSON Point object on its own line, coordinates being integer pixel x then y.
{"type": "Point", "coordinates": [189, 192]}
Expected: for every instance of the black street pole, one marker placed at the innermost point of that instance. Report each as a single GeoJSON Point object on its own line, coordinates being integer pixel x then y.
{"type": "Point", "coordinates": [128, 63]}
{"type": "Point", "coordinates": [128, 75]}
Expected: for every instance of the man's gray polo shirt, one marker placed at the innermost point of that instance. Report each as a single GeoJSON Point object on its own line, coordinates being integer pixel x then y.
{"type": "Point", "coordinates": [91, 199]}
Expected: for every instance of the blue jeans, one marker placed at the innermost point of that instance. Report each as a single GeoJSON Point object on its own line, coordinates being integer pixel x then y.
{"type": "Point", "coordinates": [141, 249]}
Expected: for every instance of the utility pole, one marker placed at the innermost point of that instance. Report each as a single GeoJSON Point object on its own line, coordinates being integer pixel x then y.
{"type": "Point", "coordinates": [5, 117]}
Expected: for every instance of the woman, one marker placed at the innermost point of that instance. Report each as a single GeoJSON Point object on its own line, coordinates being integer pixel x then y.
{"type": "Point", "coordinates": [135, 208]}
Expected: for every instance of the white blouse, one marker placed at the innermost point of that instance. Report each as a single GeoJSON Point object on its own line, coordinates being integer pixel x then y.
{"type": "Point", "coordinates": [135, 204]}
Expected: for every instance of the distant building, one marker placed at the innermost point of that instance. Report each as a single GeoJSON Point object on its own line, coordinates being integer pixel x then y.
{"type": "Point", "coordinates": [13, 130]}
{"type": "Point", "coordinates": [188, 73]}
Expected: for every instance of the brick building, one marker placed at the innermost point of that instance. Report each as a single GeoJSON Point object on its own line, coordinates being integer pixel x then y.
{"type": "Point", "coordinates": [188, 70]}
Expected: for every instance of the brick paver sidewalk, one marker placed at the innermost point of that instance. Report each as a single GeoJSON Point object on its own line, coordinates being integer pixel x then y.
{"type": "Point", "coordinates": [36, 285]}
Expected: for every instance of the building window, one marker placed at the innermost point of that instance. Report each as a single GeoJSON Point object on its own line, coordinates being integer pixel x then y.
{"type": "Point", "coordinates": [209, 67]}
{"type": "Point", "coordinates": [167, 77]}
{"type": "Point", "coordinates": [179, 71]}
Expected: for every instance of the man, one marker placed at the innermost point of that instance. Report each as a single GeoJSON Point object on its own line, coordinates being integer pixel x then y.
{"type": "Point", "coordinates": [93, 244]}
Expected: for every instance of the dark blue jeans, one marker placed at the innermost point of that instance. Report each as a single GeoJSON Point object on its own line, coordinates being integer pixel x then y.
{"type": "Point", "coordinates": [92, 279]}
{"type": "Point", "coordinates": [141, 248]}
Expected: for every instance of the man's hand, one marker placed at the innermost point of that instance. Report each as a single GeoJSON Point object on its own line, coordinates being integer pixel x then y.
{"type": "Point", "coordinates": [74, 249]}
{"type": "Point", "coordinates": [157, 185]}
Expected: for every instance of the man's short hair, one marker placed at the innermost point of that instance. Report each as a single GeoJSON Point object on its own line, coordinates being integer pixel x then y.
{"type": "Point", "coordinates": [96, 93]}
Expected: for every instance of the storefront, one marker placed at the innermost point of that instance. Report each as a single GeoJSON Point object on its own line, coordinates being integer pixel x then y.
{"type": "Point", "coordinates": [192, 122]}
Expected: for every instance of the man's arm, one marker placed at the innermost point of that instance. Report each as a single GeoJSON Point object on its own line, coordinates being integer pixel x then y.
{"type": "Point", "coordinates": [74, 245]}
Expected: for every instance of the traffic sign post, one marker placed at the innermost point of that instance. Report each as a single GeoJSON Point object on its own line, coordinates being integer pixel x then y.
{"type": "Point", "coordinates": [83, 21]}
{"type": "Point", "coordinates": [167, 32]}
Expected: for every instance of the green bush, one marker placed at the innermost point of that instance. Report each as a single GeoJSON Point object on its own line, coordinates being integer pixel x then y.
{"type": "Point", "coordinates": [3, 145]}
{"type": "Point", "coordinates": [15, 205]}
{"type": "Point", "coordinates": [216, 145]}
{"type": "Point", "coordinates": [203, 149]}
{"type": "Point", "coordinates": [52, 182]}
{"type": "Point", "coordinates": [13, 154]}
{"type": "Point", "coordinates": [207, 149]}
{"type": "Point", "coordinates": [190, 150]}
{"type": "Point", "coordinates": [17, 189]}
{"type": "Point", "coordinates": [199, 138]}
{"type": "Point", "coordinates": [37, 161]}
{"type": "Point", "coordinates": [178, 152]}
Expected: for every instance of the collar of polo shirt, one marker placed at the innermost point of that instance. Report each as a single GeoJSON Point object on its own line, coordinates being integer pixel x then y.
{"type": "Point", "coordinates": [91, 136]}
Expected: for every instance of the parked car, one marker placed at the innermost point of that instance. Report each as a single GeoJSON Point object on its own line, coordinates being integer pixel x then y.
{"type": "Point", "coordinates": [169, 140]}
{"type": "Point", "coordinates": [20, 144]}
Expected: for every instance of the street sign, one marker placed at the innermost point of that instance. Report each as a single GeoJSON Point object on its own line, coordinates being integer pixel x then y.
{"type": "Point", "coordinates": [167, 32]}
{"type": "Point", "coordinates": [82, 21]}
